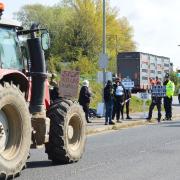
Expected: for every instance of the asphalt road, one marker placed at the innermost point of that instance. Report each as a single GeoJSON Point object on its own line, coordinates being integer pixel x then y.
{"type": "Point", "coordinates": [149, 152]}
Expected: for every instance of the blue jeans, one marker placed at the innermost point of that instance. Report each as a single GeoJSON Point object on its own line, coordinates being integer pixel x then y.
{"type": "Point", "coordinates": [109, 110]}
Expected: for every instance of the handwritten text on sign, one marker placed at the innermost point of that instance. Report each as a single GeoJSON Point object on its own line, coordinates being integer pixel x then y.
{"type": "Point", "coordinates": [69, 84]}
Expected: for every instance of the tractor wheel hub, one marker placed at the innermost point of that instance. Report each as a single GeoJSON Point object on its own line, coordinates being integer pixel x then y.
{"type": "Point", "coordinates": [4, 131]}
{"type": "Point", "coordinates": [70, 132]}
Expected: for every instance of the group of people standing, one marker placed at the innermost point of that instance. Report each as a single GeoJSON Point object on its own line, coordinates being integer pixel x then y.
{"type": "Point", "coordinates": [115, 97]}
{"type": "Point", "coordinates": [157, 100]}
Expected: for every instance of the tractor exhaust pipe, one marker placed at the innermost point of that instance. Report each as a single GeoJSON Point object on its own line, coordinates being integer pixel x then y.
{"type": "Point", "coordinates": [37, 72]}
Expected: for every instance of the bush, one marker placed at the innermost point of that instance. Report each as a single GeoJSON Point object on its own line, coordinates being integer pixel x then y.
{"type": "Point", "coordinates": [136, 104]}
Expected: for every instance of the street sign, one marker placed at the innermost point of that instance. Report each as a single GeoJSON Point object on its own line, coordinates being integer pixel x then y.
{"type": "Point", "coordinates": [100, 76]}
{"type": "Point", "coordinates": [128, 83]}
{"type": "Point", "coordinates": [144, 96]}
{"type": "Point", "coordinates": [103, 61]}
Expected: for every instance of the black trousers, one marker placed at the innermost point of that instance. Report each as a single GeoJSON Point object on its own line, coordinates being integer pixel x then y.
{"type": "Point", "coordinates": [179, 98]}
{"type": "Point", "coordinates": [168, 107]}
{"type": "Point", "coordinates": [118, 108]}
{"type": "Point", "coordinates": [114, 111]}
{"type": "Point", "coordinates": [86, 111]}
{"type": "Point", "coordinates": [158, 105]}
{"type": "Point", "coordinates": [127, 108]}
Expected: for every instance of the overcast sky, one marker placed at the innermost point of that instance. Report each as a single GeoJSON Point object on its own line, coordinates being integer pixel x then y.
{"type": "Point", "coordinates": [156, 23]}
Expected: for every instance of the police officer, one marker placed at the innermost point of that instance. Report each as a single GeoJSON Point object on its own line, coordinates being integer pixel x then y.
{"type": "Point", "coordinates": [119, 96]}
{"type": "Point", "coordinates": [179, 95]}
{"type": "Point", "coordinates": [170, 87]}
{"type": "Point", "coordinates": [156, 101]}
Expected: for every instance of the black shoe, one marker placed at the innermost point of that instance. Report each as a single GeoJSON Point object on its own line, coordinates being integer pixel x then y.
{"type": "Point", "coordinates": [148, 119]}
{"type": "Point", "coordinates": [111, 123]}
{"type": "Point", "coordinates": [119, 121]}
{"type": "Point", "coordinates": [89, 121]}
{"type": "Point", "coordinates": [106, 123]}
{"type": "Point", "coordinates": [128, 117]}
{"type": "Point", "coordinates": [165, 119]}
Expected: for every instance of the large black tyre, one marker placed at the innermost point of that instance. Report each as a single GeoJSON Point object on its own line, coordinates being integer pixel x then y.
{"type": "Point", "coordinates": [67, 135]}
{"type": "Point", "coordinates": [15, 131]}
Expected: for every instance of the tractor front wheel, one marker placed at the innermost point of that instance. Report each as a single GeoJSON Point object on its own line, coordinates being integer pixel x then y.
{"type": "Point", "coordinates": [67, 134]}
{"type": "Point", "coordinates": [15, 131]}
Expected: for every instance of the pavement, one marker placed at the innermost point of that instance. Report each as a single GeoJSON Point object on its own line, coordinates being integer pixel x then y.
{"type": "Point", "coordinates": [97, 125]}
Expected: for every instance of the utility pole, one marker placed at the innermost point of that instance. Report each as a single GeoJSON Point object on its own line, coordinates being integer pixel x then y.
{"type": "Point", "coordinates": [104, 39]}
{"type": "Point", "coordinates": [103, 60]}
{"type": "Point", "coordinates": [116, 36]}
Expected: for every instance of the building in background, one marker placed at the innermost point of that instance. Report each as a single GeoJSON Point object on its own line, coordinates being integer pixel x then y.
{"type": "Point", "coordinates": [140, 67]}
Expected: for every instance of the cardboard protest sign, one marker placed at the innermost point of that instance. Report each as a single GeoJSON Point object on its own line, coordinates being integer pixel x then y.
{"type": "Point", "coordinates": [69, 83]}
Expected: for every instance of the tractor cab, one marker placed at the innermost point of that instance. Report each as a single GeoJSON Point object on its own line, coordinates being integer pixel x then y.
{"type": "Point", "coordinates": [10, 52]}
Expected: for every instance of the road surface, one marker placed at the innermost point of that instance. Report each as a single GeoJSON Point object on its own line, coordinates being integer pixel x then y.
{"type": "Point", "coordinates": [149, 152]}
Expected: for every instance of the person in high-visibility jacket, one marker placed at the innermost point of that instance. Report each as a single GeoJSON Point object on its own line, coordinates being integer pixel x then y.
{"type": "Point", "coordinates": [170, 88]}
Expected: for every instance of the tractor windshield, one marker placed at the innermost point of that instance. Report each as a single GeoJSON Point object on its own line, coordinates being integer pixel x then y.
{"type": "Point", "coordinates": [10, 57]}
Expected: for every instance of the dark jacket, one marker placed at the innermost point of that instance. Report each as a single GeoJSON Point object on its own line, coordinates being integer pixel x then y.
{"type": "Point", "coordinates": [84, 96]}
{"type": "Point", "coordinates": [108, 93]}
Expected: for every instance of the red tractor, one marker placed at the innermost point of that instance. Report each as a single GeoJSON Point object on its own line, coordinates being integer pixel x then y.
{"type": "Point", "coordinates": [27, 118]}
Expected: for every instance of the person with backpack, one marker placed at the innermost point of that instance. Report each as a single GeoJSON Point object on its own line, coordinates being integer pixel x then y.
{"type": "Point", "coordinates": [109, 102]}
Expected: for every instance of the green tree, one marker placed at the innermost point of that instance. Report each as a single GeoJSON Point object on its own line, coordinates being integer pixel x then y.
{"type": "Point", "coordinates": [75, 28]}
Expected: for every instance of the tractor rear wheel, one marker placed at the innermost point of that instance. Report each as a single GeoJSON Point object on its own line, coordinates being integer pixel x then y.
{"type": "Point", "coordinates": [15, 131]}
{"type": "Point", "coordinates": [67, 134]}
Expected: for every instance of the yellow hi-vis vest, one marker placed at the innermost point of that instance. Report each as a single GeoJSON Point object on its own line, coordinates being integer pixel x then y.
{"type": "Point", "coordinates": [170, 87]}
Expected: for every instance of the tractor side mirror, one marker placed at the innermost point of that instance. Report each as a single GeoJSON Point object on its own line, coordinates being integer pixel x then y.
{"type": "Point", "coordinates": [45, 41]}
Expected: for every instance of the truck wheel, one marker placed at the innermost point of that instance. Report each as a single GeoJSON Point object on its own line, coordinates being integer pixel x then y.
{"type": "Point", "coordinates": [67, 134]}
{"type": "Point", "coordinates": [15, 131]}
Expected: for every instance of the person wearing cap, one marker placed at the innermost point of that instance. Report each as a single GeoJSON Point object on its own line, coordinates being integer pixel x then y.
{"type": "Point", "coordinates": [109, 102]}
{"type": "Point", "coordinates": [170, 87]}
{"type": "Point", "coordinates": [156, 101]}
{"type": "Point", "coordinates": [119, 98]}
{"type": "Point", "coordinates": [84, 99]}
